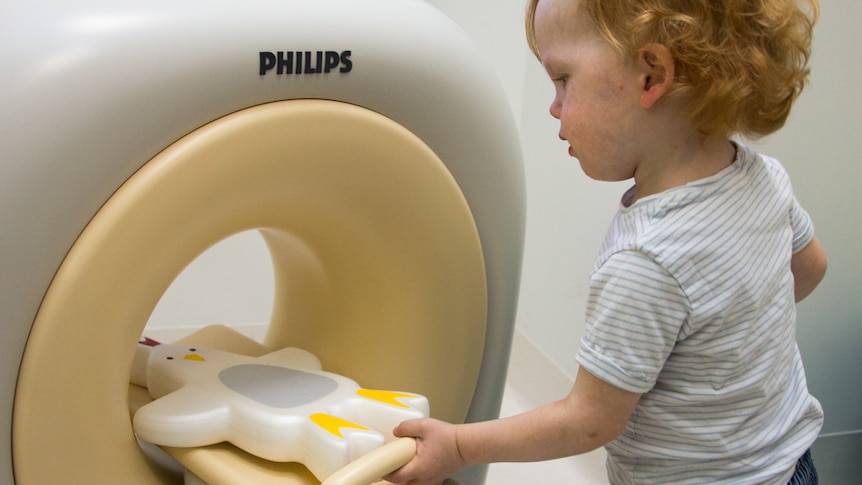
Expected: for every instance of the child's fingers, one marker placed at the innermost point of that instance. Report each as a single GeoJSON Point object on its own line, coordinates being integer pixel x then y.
{"type": "Point", "coordinates": [409, 429]}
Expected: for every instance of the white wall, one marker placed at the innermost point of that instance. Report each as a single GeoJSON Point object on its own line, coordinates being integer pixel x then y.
{"type": "Point", "coordinates": [568, 213]}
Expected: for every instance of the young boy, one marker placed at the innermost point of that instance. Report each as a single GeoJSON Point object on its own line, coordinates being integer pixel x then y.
{"type": "Point", "coordinates": [689, 369]}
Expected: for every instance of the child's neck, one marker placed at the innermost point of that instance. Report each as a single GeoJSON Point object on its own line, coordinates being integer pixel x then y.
{"type": "Point", "coordinates": [678, 165]}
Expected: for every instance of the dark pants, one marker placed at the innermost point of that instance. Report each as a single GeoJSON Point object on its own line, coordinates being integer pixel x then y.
{"type": "Point", "coordinates": [805, 473]}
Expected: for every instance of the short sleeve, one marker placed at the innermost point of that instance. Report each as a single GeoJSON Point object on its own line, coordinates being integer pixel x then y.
{"type": "Point", "coordinates": [635, 311]}
{"type": "Point", "coordinates": [800, 221]}
{"type": "Point", "coordinates": [803, 228]}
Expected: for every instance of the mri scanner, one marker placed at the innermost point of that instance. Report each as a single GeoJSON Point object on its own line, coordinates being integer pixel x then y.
{"type": "Point", "coordinates": [365, 140]}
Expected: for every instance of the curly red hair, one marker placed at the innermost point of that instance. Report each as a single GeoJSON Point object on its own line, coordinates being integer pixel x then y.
{"type": "Point", "coordinates": [740, 64]}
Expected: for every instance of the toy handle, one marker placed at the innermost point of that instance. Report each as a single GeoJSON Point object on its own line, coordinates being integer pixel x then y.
{"type": "Point", "coordinates": [375, 464]}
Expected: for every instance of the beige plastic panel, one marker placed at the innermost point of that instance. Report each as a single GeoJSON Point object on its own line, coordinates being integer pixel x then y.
{"type": "Point", "coordinates": [378, 266]}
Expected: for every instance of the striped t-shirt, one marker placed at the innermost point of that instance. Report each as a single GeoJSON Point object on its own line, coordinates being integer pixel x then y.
{"type": "Point", "coordinates": [692, 304]}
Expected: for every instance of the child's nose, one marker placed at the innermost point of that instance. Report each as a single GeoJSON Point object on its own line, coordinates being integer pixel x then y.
{"type": "Point", "coordinates": [555, 108]}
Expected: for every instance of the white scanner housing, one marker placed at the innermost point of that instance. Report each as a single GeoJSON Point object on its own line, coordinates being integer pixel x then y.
{"type": "Point", "coordinates": [366, 140]}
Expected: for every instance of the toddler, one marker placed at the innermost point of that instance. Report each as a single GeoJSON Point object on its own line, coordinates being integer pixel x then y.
{"type": "Point", "coordinates": [689, 368]}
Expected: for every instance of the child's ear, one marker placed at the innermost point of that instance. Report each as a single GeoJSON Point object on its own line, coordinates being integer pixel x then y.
{"type": "Point", "coordinates": [657, 72]}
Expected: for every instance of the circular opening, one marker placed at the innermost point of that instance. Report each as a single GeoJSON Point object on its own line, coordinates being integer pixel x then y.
{"type": "Point", "coordinates": [377, 264]}
{"type": "Point", "coordinates": [231, 283]}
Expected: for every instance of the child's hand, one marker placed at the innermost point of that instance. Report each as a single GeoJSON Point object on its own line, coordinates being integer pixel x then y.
{"type": "Point", "coordinates": [437, 456]}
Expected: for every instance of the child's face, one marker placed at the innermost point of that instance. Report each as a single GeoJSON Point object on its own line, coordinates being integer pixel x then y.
{"type": "Point", "coordinates": [597, 91]}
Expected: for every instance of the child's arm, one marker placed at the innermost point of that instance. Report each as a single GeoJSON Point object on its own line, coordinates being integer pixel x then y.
{"type": "Point", "coordinates": [808, 267]}
{"type": "Point", "coordinates": [593, 414]}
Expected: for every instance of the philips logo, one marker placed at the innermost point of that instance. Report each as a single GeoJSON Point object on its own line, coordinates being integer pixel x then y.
{"type": "Point", "coordinates": [305, 62]}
